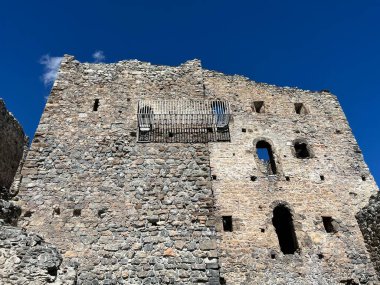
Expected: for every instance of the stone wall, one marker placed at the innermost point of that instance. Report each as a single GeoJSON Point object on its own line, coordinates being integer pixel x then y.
{"type": "Point", "coordinates": [124, 212]}
{"type": "Point", "coordinates": [369, 222]}
{"type": "Point", "coordinates": [330, 183]}
{"type": "Point", "coordinates": [12, 146]}
{"type": "Point", "coordinates": [24, 257]}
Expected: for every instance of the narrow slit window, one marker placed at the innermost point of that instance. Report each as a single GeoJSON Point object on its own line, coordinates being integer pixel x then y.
{"type": "Point", "coordinates": [227, 223]}
{"type": "Point", "coordinates": [96, 105]}
{"type": "Point", "coordinates": [265, 155]}
{"type": "Point", "coordinates": [258, 107]}
{"type": "Point", "coordinates": [328, 224]}
{"type": "Point", "coordinates": [300, 108]}
{"type": "Point", "coordinates": [283, 223]}
{"type": "Point", "coordinates": [301, 150]}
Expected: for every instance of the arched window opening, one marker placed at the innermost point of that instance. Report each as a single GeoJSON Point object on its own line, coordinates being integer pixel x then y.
{"type": "Point", "coordinates": [300, 109]}
{"type": "Point", "coordinates": [265, 154]}
{"type": "Point", "coordinates": [258, 107]}
{"type": "Point", "coordinates": [283, 223]}
{"type": "Point", "coordinates": [301, 150]}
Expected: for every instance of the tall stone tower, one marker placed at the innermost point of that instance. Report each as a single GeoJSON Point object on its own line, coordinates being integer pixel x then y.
{"type": "Point", "coordinates": [144, 174]}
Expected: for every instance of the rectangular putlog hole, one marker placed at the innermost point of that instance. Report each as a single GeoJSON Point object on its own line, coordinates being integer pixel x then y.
{"type": "Point", "coordinates": [328, 224]}
{"type": "Point", "coordinates": [227, 223]}
{"type": "Point", "coordinates": [77, 212]}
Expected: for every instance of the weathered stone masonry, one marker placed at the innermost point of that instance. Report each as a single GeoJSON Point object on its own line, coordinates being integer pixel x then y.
{"type": "Point", "coordinates": [369, 222]}
{"type": "Point", "coordinates": [12, 146]}
{"type": "Point", "coordinates": [24, 257]}
{"type": "Point", "coordinates": [126, 212]}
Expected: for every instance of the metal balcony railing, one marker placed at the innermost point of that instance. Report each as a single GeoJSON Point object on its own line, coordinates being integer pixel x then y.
{"type": "Point", "coordinates": [183, 120]}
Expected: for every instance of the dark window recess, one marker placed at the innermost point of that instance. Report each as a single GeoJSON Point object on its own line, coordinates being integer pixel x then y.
{"type": "Point", "coordinates": [227, 223]}
{"type": "Point", "coordinates": [52, 271]}
{"type": "Point", "coordinates": [328, 224]}
{"type": "Point", "coordinates": [322, 177]}
{"type": "Point", "coordinates": [287, 178]}
{"type": "Point", "coordinates": [77, 212]}
{"type": "Point", "coordinates": [273, 255]}
{"type": "Point", "coordinates": [300, 108]}
{"type": "Point", "coordinates": [265, 154]}
{"type": "Point", "coordinates": [96, 105]}
{"type": "Point", "coordinates": [301, 150]}
{"type": "Point", "coordinates": [253, 178]}
{"type": "Point", "coordinates": [258, 107]}
{"type": "Point", "coordinates": [283, 223]}
{"type": "Point", "coordinates": [320, 256]}
{"type": "Point", "coordinates": [214, 177]}
{"type": "Point", "coordinates": [222, 281]}
{"type": "Point", "coordinates": [244, 130]}
{"type": "Point", "coordinates": [363, 178]}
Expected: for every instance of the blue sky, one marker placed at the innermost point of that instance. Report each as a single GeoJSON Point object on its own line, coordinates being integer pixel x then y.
{"type": "Point", "coordinates": [314, 45]}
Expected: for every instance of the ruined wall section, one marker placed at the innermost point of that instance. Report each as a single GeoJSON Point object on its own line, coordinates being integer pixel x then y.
{"type": "Point", "coordinates": [134, 213]}
{"type": "Point", "coordinates": [121, 211]}
{"type": "Point", "coordinates": [25, 258]}
{"type": "Point", "coordinates": [251, 254]}
{"type": "Point", "coordinates": [369, 222]}
{"type": "Point", "coordinates": [12, 146]}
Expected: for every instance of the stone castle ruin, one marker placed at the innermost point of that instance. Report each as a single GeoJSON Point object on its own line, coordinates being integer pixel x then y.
{"type": "Point", "coordinates": [146, 174]}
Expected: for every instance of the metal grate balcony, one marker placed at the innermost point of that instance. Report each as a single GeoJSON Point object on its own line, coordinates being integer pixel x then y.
{"type": "Point", "coordinates": [183, 120]}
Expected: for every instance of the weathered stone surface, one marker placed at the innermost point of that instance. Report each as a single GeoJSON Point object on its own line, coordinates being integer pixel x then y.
{"type": "Point", "coordinates": [13, 143]}
{"type": "Point", "coordinates": [251, 253]}
{"type": "Point", "coordinates": [369, 222]}
{"type": "Point", "coordinates": [124, 212]}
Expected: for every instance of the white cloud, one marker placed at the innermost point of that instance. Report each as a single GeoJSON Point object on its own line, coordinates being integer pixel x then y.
{"type": "Point", "coordinates": [98, 56]}
{"type": "Point", "coordinates": [51, 66]}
